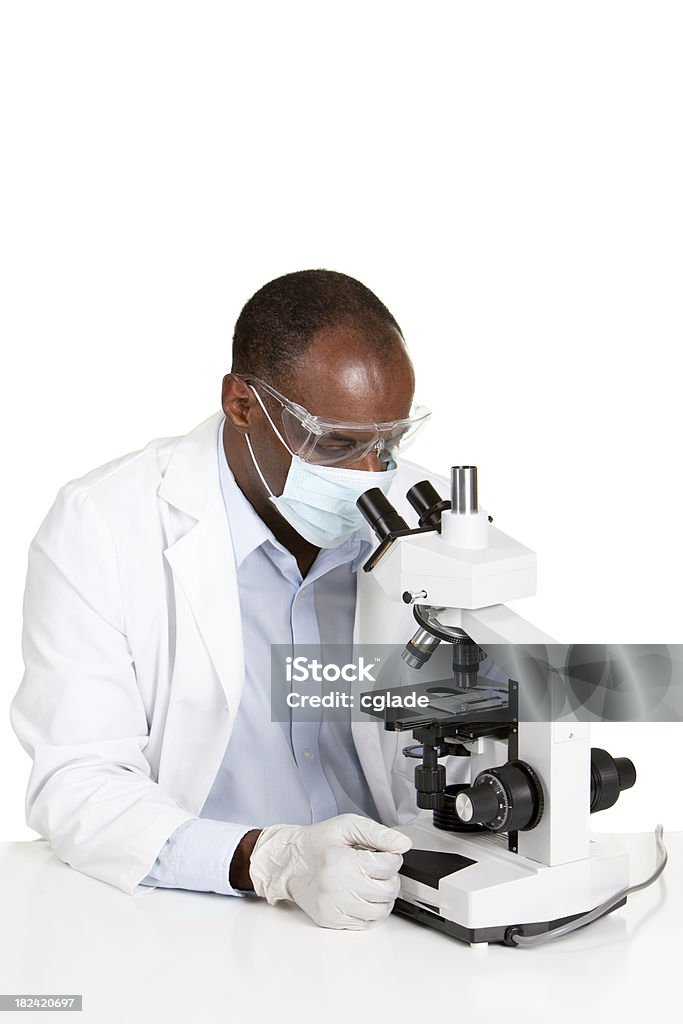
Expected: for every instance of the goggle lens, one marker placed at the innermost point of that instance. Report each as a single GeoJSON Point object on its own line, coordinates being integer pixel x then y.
{"type": "Point", "coordinates": [346, 445]}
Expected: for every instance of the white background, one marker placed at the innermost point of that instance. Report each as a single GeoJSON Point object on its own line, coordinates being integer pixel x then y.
{"type": "Point", "coordinates": [505, 176]}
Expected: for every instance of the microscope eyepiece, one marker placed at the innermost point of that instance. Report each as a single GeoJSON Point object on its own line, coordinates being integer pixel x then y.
{"type": "Point", "coordinates": [380, 513]}
{"type": "Point", "coordinates": [428, 503]}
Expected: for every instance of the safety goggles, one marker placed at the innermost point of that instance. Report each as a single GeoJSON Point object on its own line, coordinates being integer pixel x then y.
{"type": "Point", "coordinates": [327, 442]}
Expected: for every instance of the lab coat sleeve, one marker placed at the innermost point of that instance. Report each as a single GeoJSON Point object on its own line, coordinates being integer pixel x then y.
{"type": "Point", "coordinates": [78, 711]}
{"type": "Point", "coordinates": [198, 856]}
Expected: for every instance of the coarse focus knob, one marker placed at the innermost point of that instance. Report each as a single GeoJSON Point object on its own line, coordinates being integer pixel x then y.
{"type": "Point", "coordinates": [609, 777]}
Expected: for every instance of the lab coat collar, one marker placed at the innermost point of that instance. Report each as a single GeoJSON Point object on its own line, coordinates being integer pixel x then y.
{"type": "Point", "coordinates": [190, 482]}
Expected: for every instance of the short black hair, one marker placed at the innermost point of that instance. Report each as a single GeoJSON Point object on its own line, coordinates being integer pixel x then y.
{"type": "Point", "coordinates": [277, 323]}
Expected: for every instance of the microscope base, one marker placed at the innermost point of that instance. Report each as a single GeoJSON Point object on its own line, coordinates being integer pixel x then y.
{"type": "Point", "coordinates": [473, 888]}
{"type": "Point", "coordinates": [479, 936]}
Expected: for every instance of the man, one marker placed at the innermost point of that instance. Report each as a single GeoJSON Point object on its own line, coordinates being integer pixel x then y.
{"type": "Point", "coordinates": [157, 585]}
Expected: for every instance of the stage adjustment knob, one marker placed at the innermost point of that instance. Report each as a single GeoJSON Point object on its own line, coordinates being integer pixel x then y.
{"type": "Point", "coordinates": [430, 782]}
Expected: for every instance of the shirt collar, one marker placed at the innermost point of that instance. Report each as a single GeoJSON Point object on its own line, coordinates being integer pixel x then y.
{"type": "Point", "coordinates": [248, 531]}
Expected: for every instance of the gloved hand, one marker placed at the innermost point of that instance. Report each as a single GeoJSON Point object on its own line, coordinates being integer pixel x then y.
{"type": "Point", "coordinates": [343, 872]}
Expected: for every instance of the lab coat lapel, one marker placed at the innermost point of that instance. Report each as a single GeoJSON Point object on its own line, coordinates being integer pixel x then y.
{"type": "Point", "coordinates": [203, 567]}
{"type": "Point", "coordinates": [202, 561]}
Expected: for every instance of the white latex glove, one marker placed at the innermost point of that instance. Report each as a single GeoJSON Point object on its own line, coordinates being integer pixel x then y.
{"type": "Point", "coordinates": [343, 872]}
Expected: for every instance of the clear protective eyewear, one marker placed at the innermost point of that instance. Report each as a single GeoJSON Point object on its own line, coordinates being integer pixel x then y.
{"type": "Point", "coordinates": [327, 442]}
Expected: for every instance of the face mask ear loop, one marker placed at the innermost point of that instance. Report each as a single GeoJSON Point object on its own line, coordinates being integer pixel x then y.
{"type": "Point", "coordinates": [256, 466]}
{"type": "Point", "coordinates": [251, 450]}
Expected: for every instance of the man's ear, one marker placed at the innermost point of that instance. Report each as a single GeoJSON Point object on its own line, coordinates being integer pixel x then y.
{"type": "Point", "coordinates": [238, 402]}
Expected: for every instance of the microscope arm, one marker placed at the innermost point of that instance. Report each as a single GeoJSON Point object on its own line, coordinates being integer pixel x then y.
{"type": "Point", "coordinates": [497, 624]}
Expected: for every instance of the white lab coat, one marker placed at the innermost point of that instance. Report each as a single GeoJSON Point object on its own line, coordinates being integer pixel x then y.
{"type": "Point", "coordinates": [134, 660]}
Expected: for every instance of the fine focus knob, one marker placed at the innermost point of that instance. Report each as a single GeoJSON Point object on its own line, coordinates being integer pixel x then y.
{"type": "Point", "coordinates": [503, 799]}
{"type": "Point", "coordinates": [477, 804]}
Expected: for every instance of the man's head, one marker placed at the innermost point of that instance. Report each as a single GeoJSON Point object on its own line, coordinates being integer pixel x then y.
{"type": "Point", "coordinates": [326, 342]}
{"type": "Point", "coordinates": [274, 330]}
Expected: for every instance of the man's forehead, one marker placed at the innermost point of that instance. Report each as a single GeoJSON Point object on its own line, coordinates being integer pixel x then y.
{"type": "Point", "coordinates": [349, 376]}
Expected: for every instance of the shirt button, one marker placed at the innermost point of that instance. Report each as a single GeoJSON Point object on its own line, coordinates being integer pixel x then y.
{"type": "Point", "coordinates": [308, 753]}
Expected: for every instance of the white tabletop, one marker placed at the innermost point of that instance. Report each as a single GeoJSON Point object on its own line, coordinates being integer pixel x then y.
{"type": "Point", "coordinates": [171, 955]}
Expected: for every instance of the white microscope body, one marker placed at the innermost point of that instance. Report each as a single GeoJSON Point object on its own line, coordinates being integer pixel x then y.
{"type": "Point", "coordinates": [503, 880]}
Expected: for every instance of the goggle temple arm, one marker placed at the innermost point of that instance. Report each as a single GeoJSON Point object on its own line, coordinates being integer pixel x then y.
{"type": "Point", "coordinates": [269, 418]}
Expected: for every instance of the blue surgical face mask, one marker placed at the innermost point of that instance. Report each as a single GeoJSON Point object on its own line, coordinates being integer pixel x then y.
{"type": "Point", "coordinates": [320, 501]}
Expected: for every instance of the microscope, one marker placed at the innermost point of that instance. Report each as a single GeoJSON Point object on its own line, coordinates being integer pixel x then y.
{"type": "Point", "coordinates": [506, 857]}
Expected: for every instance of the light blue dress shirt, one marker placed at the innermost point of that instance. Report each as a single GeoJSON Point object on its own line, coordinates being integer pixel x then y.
{"type": "Point", "coordinates": [296, 772]}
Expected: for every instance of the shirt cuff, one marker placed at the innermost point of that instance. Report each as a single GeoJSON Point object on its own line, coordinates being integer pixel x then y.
{"type": "Point", "coordinates": [198, 856]}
